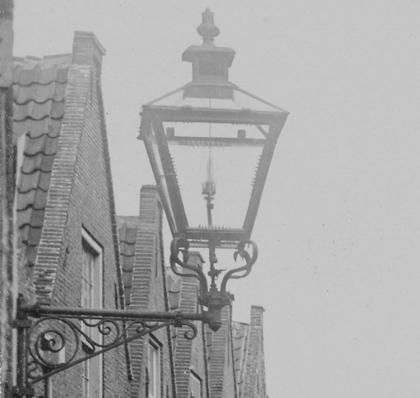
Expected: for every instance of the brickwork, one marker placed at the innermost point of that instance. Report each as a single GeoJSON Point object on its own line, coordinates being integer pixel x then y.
{"type": "Point", "coordinates": [221, 366]}
{"type": "Point", "coordinates": [249, 356]}
{"type": "Point", "coordinates": [80, 198]}
{"type": "Point", "coordinates": [218, 360]}
{"type": "Point", "coordinates": [190, 355]}
{"type": "Point", "coordinates": [52, 245]}
{"type": "Point", "coordinates": [148, 293]}
{"type": "Point", "coordinates": [254, 385]}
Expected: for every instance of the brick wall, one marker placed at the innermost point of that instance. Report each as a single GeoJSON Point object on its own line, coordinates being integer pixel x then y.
{"type": "Point", "coordinates": [254, 380]}
{"type": "Point", "coordinates": [190, 355]}
{"type": "Point", "coordinates": [148, 293]}
{"type": "Point", "coordinates": [80, 196]}
{"type": "Point", "coordinates": [221, 364]}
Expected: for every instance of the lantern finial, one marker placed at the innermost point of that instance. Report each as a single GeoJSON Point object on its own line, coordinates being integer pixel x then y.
{"type": "Point", "coordinates": [207, 29]}
{"type": "Point", "coordinates": [210, 63]}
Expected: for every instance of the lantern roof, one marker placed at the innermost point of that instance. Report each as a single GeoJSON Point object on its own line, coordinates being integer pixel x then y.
{"type": "Point", "coordinates": [210, 63]}
{"type": "Point", "coordinates": [210, 86]}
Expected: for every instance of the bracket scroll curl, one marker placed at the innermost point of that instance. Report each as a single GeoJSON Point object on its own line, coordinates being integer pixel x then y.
{"type": "Point", "coordinates": [82, 338]}
{"type": "Point", "coordinates": [180, 246]}
{"type": "Point", "coordinates": [243, 271]}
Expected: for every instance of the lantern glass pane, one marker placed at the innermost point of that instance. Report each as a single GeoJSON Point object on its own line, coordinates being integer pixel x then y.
{"type": "Point", "coordinates": [225, 155]}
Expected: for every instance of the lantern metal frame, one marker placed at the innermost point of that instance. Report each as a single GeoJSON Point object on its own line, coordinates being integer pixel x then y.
{"type": "Point", "coordinates": [153, 118]}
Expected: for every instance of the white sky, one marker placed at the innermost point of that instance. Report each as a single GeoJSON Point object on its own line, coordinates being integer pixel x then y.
{"type": "Point", "coordinates": [339, 225]}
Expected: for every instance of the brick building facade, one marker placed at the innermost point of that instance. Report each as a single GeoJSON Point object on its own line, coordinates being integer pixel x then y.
{"type": "Point", "coordinates": [141, 249]}
{"type": "Point", "coordinates": [224, 364]}
{"type": "Point", "coordinates": [67, 251]}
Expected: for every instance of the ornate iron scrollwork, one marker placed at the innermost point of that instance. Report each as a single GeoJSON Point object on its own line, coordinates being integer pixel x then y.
{"type": "Point", "coordinates": [51, 339]}
{"type": "Point", "coordinates": [212, 297]}
{"type": "Point", "coordinates": [179, 257]}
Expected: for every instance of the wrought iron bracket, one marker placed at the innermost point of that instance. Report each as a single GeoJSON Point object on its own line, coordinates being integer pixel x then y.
{"type": "Point", "coordinates": [211, 296]}
{"type": "Point", "coordinates": [51, 340]}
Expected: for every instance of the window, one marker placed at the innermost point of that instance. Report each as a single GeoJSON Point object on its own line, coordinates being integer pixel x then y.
{"type": "Point", "coordinates": [91, 297]}
{"type": "Point", "coordinates": [196, 385]}
{"type": "Point", "coordinates": [153, 369]}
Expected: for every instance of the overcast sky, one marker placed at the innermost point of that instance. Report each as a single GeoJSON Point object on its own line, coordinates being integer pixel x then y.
{"type": "Point", "coordinates": [339, 224]}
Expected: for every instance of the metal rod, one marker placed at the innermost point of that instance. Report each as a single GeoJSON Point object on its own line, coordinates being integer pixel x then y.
{"type": "Point", "coordinates": [213, 115]}
{"type": "Point", "coordinates": [218, 141]}
{"type": "Point", "coordinates": [259, 99]}
{"type": "Point", "coordinates": [38, 311]}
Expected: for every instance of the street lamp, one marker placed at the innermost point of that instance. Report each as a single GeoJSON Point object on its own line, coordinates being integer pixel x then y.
{"type": "Point", "coordinates": [210, 145]}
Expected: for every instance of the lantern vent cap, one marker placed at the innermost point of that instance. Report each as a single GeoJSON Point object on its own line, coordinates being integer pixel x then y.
{"type": "Point", "coordinates": [210, 63]}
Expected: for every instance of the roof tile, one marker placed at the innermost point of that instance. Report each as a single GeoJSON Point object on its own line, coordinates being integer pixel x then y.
{"type": "Point", "coordinates": [34, 110]}
{"type": "Point", "coordinates": [39, 98]}
{"type": "Point", "coordinates": [52, 91]}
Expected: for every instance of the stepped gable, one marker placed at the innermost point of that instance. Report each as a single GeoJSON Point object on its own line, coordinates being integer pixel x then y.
{"type": "Point", "coordinates": [39, 86]}
{"type": "Point", "coordinates": [127, 232]}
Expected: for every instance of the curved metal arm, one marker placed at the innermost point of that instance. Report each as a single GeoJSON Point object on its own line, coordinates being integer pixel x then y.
{"type": "Point", "coordinates": [180, 245]}
{"type": "Point", "coordinates": [84, 334]}
{"type": "Point", "coordinates": [245, 269]}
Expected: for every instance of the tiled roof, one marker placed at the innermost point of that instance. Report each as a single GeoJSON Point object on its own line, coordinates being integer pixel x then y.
{"type": "Point", "coordinates": [240, 333]}
{"type": "Point", "coordinates": [127, 232]}
{"type": "Point", "coordinates": [39, 86]}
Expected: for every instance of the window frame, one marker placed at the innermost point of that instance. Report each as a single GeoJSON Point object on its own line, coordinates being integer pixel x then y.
{"type": "Point", "coordinates": [91, 246]}
{"type": "Point", "coordinates": [154, 347]}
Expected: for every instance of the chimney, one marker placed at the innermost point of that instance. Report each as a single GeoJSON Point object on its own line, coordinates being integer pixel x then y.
{"type": "Point", "coordinates": [150, 208]}
{"type": "Point", "coordinates": [257, 313]}
{"type": "Point", "coordinates": [87, 50]}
